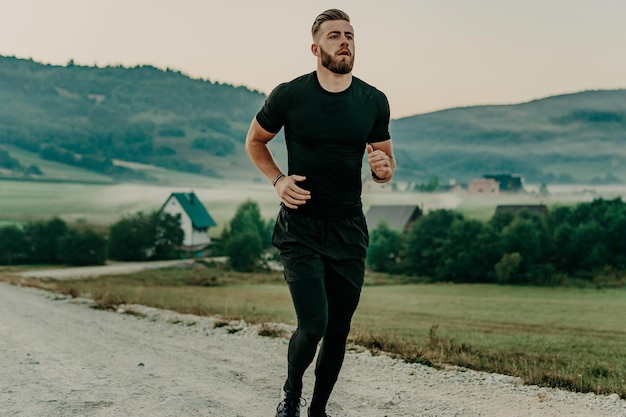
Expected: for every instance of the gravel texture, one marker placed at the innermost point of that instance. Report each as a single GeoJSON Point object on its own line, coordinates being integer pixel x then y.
{"type": "Point", "coordinates": [60, 357]}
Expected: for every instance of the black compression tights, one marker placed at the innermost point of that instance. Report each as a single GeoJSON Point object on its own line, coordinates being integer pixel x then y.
{"type": "Point", "coordinates": [323, 313]}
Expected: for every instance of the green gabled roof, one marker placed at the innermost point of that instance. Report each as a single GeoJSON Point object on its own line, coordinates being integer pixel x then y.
{"type": "Point", "coordinates": [200, 217]}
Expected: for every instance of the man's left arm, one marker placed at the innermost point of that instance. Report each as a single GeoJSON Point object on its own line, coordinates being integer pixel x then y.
{"type": "Point", "coordinates": [381, 160]}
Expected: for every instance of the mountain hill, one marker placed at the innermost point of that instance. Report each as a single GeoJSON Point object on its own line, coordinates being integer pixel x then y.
{"type": "Point", "coordinates": [574, 137]}
{"type": "Point", "coordinates": [90, 117]}
{"type": "Point", "coordinates": [93, 118]}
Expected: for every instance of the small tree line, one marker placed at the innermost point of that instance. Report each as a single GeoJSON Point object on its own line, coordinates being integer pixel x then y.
{"type": "Point", "coordinates": [51, 242]}
{"type": "Point", "coordinates": [133, 238]}
{"type": "Point", "coordinates": [584, 242]}
{"type": "Point", "coordinates": [136, 237]}
{"type": "Point", "coordinates": [581, 242]}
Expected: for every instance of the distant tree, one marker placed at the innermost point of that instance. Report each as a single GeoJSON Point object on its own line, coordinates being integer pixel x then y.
{"type": "Point", "coordinates": [164, 151]}
{"type": "Point", "coordinates": [216, 145]}
{"type": "Point", "coordinates": [384, 249]}
{"type": "Point", "coordinates": [501, 220]}
{"type": "Point", "coordinates": [33, 170]}
{"type": "Point", "coordinates": [528, 236]}
{"type": "Point", "coordinates": [57, 154]}
{"type": "Point", "coordinates": [508, 268]}
{"type": "Point", "coordinates": [248, 218]}
{"type": "Point", "coordinates": [469, 253]}
{"type": "Point", "coordinates": [563, 254]}
{"type": "Point", "coordinates": [426, 241]}
{"type": "Point", "coordinates": [588, 246]}
{"type": "Point", "coordinates": [12, 245]}
{"type": "Point", "coordinates": [171, 130]}
{"type": "Point", "coordinates": [131, 238]}
{"type": "Point", "coordinates": [140, 237]}
{"type": "Point", "coordinates": [42, 239]}
{"type": "Point", "coordinates": [168, 234]}
{"type": "Point", "coordinates": [244, 250]}
{"type": "Point", "coordinates": [244, 238]}
{"type": "Point", "coordinates": [216, 123]}
{"type": "Point", "coordinates": [616, 243]}
{"type": "Point", "coordinates": [588, 236]}
{"type": "Point", "coordinates": [82, 247]}
{"type": "Point", "coordinates": [9, 162]}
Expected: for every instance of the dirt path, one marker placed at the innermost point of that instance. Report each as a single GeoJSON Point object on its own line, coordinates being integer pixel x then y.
{"type": "Point", "coordinates": [59, 357]}
{"type": "Point", "coordinates": [118, 268]}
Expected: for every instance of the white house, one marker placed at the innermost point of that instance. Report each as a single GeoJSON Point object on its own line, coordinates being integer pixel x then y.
{"type": "Point", "coordinates": [195, 219]}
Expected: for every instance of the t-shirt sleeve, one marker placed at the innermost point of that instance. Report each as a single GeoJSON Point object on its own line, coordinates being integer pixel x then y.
{"type": "Point", "coordinates": [380, 131]}
{"type": "Point", "coordinates": [271, 117]}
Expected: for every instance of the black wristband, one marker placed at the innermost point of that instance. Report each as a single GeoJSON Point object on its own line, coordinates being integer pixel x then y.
{"type": "Point", "coordinates": [376, 177]}
{"type": "Point", "coordinates": [279, 176]}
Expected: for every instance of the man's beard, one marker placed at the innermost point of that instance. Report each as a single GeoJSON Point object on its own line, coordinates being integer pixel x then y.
{"type": "Point", "coordinates": [337, 66]}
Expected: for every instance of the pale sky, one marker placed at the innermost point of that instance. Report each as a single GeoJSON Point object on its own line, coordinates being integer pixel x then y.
{"type": "Point", "coordinates": [426, 55]}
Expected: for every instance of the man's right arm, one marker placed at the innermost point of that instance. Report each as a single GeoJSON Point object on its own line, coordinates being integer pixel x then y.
{"type": "Point", "coordinates": [259, 152]}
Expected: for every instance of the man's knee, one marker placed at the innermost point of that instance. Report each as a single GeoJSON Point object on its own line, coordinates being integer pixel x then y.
{"type": "Point", "coordinates": [314, 328]}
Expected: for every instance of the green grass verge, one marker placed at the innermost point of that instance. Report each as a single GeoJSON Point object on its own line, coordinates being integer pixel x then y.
{"type": "Point", "coordinates": [570, 338]}
{"type": "Point", "coordinates": [560, 337]}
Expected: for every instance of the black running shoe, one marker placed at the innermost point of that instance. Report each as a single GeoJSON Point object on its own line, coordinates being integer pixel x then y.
{"type": "Point", "coordinates": [289, 406]}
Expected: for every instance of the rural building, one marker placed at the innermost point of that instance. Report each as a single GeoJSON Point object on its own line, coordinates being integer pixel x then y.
{"type": "Point", "coordinates": [397, 217]}
{"type": "Point", "coordinates": [537, 209]}
{"type": "Point", "coordinates": [483, 186]}
{"type": "Point", "coordinates": [195, 219]}
{"type": "Point", "coordinates": [508, 183]}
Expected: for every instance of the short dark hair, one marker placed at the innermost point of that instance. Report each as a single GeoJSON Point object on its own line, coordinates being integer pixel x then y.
{"type": "Point", "coordinates": [330, 14]}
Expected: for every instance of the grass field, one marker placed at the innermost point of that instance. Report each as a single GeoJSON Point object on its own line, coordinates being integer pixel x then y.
{"type": "Point", "coordinates": [569, 338]}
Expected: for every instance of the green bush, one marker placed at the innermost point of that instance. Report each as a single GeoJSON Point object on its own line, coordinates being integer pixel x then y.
{"type": "Point", "coordinates": [82, 247]}
{"type": "Point", "coordinates": [245, 237]}
{"type": "Point", "coordinates": [383, 252]}
{"type": "Point", "coordinates": [579, 241]}
{"type": "Point", "coordinates": [140, 237]}
{"type": "Point", "coordinates": [13, 245]}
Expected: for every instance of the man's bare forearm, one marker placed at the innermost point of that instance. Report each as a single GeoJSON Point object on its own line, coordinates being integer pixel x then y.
{"type": "Point", "coordinates": [262, 158]}
{"type": "Point", "coordinates": [259, 152]}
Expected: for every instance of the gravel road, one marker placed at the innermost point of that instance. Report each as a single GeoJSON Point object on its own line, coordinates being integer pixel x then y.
{"type": "Point", "coordinates": [59, 357]}
{"type": "Point", "coordinates": [109, 269]}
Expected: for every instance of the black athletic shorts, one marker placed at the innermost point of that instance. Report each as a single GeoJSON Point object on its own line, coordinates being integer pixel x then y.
{"type": "Point", "coordinates": [333, 250]}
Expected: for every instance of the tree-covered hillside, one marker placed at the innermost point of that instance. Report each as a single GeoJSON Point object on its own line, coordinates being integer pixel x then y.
{"type": "Point", "coordinates": [90, 116]}
{"type": "Point", "coordinates": [93, 118]}
{"type": "Point", "coordinates": [574, 137]}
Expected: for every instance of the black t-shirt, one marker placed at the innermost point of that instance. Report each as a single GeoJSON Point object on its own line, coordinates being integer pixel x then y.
{"type": "Point", "coordinates": [326, 134]}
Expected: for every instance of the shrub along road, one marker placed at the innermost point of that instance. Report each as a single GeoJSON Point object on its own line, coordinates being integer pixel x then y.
{"type": "Point", "coordinates": [59, 357]}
